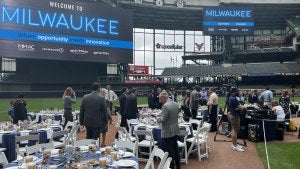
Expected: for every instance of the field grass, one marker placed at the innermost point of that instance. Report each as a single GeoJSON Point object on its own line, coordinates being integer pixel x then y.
{"type": "Point", "coordinates": [37, 104]}
{"type": "Point", "coordinates": [281, 155]}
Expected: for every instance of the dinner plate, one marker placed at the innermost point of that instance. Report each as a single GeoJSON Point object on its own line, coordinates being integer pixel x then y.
{"type": "Point", "coordinates": [84, 148]}
{"type": "Point", "coordinates": [125, 163]}
{"type": "Point", "coordinates": [128, 154]}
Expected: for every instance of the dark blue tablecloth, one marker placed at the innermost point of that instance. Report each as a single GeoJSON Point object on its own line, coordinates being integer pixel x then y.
{"type": "Point", "coordinates": [57, 117]}
{"type": "Point", "coordinates": [157, 134]}
{"type": "Point", "coordinates": [8, 142]}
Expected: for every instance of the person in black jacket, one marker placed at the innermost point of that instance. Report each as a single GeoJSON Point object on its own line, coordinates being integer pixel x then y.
{"type": "Point", "coordinates": [131, 110]}
{"type": "Point", "coordinates": [20, 109]}
{"type": "Point", "coordinates": [122, 100]}
{"type": "Point", "coordinates": [253, 97]}
{"type": "Point", "coordinates": [151, 100]}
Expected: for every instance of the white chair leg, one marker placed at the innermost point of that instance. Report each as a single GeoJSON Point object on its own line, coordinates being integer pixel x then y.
{"type": "Point", "coordinates": [199, 152]}
{"type": "Point", "coordinates": [185, 154]}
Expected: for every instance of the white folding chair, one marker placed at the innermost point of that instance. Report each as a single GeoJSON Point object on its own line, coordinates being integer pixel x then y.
{"type": "Point", "coordinates": [132, 121]}
{"type": "Point", "coordinates": [126, 144]}
{"type": "Point", "coordinates": [72, 136]}
{"type": "Point", "coordinates": [45, 117]}
{"type": "Point", "coordinates": [157, 152]}
{"type": "Point", "coordinates": [149, 143]}
{"type": "Point", "coordinates": [36, 148]}
{"type": "Point", "coordinates": [3, 159]}
{"type": "Point", "coordinates": [124, 135]}
{"type": "Point", "coordinates": [199, 139]}
{"type": "Point", "coordinates": [118, 119]}
{"type": "Point", "coordinates": [19, 139]}
{"type": "Point", "coordinates": [86, 142]}
{"type": "Point", "coordinates": [167, 163]}
{"type": "Point", "coordinates": [197, 123]}
{"type": "Point", "coordinates": [63, 134]}
{"type": "Point", "coordinates": [183, 145]}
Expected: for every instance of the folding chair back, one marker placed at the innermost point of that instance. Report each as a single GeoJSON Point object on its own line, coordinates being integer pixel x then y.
{"type": "Point", "coordinates": [127, 144]}
{"type": "Point", "coordinates": [3, 159]}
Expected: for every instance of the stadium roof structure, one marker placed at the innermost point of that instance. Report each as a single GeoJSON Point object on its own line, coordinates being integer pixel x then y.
{"type": "Point", "coordinates": [254, 69]}
{"type": "Point", "coordinates": [267, 14]}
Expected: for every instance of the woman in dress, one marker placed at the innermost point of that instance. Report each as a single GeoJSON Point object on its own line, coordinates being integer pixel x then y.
{"type": "Point", "coordinates": [68, 98]}
{"type": "Point", "coordinates": [103, 92]}
{"type": "Point", "coordinates": [185, 106]}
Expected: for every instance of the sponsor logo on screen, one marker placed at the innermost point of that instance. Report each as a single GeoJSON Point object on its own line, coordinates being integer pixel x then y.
{"type": "Point", "coordinates": [173, 46]}
{"type": "Point", "coordinates": [79, 51]}
{"type": "Point", "coordinates": [60, 50]}
{"type": "Point", "coordinates": [100, 53]}
{"type": "Point", "coordinates": [26, 47]}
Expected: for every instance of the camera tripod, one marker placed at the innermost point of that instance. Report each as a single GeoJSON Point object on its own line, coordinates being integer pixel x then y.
{"type": "Point", "coordinates": [242, 128]}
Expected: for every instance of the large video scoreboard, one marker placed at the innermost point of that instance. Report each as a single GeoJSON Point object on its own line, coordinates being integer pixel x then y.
{"type": "Point", "coordinates": [65, 30]}
{"type": "Point", "coordinates": [228, 20]}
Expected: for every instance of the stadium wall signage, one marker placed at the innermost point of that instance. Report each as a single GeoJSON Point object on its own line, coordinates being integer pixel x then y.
{"type": "Point", "coordinates": [65, 30]}
{"type": "Point", "coordinates": [173, 46]}
{"type": "Point", "coordinates": [228, 20]}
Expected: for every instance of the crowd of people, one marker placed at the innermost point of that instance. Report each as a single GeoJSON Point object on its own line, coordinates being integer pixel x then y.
{"type": "Point", "coordinates": [96, 109]}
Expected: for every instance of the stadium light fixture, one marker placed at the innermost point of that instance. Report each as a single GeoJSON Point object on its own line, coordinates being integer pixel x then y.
{"type": "Point", "coordinates": [159, 2]}
{"type": "Point", "coordinates": [180, 3]}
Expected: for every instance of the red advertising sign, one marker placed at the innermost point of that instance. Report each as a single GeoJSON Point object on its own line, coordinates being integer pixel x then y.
{"type": "Point", "coordinates": [138, 70]}
{"type": "Point", "coordinates": [153, 82]}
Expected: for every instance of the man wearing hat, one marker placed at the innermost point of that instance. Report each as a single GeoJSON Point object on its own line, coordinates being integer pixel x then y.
{"type": "Point", "coordinates": [234, 110]}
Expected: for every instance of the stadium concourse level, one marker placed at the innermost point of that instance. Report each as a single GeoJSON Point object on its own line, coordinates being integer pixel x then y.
{"type": "Point", "coordinates": [294, 25]}
{"type": "Point", "coordinates": [233, 70]}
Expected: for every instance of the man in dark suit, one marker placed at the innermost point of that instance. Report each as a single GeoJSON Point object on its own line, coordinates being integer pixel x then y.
{"type": "Point", "coordinates": [122, 100]}
{"type": "Point", "coordinates": [20, 109]}
{"type": "Point", "coordinates": [93, 113]}
{"type": "Point", "coordinates": [169, 128]}
{"type": "Point", "coordinates": [131, 110]}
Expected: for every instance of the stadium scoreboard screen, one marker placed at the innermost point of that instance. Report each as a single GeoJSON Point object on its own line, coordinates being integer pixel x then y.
{"type": "Point", "coordinates": [228, 20]}
{"type": "Point", "coordinates": [65, 30]}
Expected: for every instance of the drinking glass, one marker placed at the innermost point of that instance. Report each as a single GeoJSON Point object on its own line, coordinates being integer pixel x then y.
{"type": "Point", "coordinates": [102, 162]}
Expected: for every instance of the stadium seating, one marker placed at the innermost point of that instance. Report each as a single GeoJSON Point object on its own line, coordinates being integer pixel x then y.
{"type": "Point", "coordinates": [269, 68]}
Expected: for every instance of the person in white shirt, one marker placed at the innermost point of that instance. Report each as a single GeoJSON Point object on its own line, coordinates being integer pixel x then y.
{"type": "Point", "coordinates": [278, 110]}
{"type": "Point", "coordinates": [266, 97]}
{"type": "Point", "coordinates": [111, 96]}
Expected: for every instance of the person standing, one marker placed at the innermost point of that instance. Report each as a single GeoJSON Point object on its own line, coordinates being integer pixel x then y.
{"type": "Point", "coordinates": [185, 106]}
{"type": "Point", "coordinates": [169, 128]}
{"type": "Point", "coordinates": [285, 101]}
{"type": "Point", "coordinates": [158, 105]}
{"type": "Point", "coordinates": [173, 95]}
{"type": "Point", "coordinates": [103, 93]}
{"type": "Point", "coordinates": [122, 100]}
{"type": "Point", "coordinates": [203, 97]}
{"type": "Point", "coordinates": [234, 111]}
{"type": "Point", "coordinates": [20, 109]}
{"type": "Point", "coordinates": [68, 98]}
{"type": "Point", "coordinates": [131, 110]}
{"type": "Point", "coordinates": [267, 97]}
{"type": "Point", "coordinates": [212, 105]}
{"type": "Point", "coordinates": [253, 97]}
{"type": "Point", "coordinates": [194, 101]}
{"type": "Point", "coordinates": [151, 100]}
{"type": "Point", "coordinates": [93, 113]}
{"type": "Point", "coordinates": [11, 111]}
{"type": "Point", "coordinates": [111, 96]}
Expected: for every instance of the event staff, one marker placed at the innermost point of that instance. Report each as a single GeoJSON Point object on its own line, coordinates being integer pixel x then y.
{"type": "Point", "coordinates": [93, 113]}
{"type": "Point", "coordinates": [169, 128]}
{"type": "Point", "coordinates": [20, 109]}
{"type": "Point", "coordinates": [68, 98]}
{"type": "Point", "coordinates": [234, 110]}
{"type": "Point", "coordinates": [212, 106]}
{"type": "Point", "coordinates": [267, 96]}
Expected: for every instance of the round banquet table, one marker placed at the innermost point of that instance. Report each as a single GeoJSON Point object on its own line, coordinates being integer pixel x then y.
{"type": "Point", "coordinates": [156, 132]}
{"type": "Point", "coordinates": [86, 156]}
{"type": "Point", "coordinates": [8, 141]}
